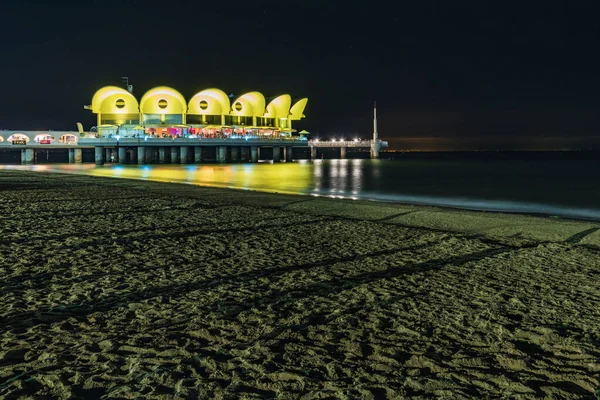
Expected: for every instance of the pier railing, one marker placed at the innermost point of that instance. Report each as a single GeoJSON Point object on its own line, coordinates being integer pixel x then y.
{"type": "Point", "coordinates": [345, 143]}
{"type": "Point", "coordinates": [201, 141]}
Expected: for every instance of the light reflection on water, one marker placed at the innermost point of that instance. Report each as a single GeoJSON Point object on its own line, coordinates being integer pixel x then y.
{"type": "Point", "coordinates": [547, 187]}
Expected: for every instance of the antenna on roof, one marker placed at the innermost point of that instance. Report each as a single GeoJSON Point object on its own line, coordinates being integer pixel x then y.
{"type": "Point", "coordinates": [126, 80]}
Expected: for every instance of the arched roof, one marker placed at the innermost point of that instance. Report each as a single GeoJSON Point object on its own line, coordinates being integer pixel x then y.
{"type": "Point", "coordinates": [165, 100]}
{"type": "Point", "coordinates": [297, 109]}
{"type": "Point", "coordinates": [216, 99]}
{"type": "Point", "coordinates": [279, 107]}
{"type": "Point", "coordinates": [105, 101]}
{"type": "Point", "coordinates": [252, 105]}
{"type": "Point", "coordinates": [175, 103]}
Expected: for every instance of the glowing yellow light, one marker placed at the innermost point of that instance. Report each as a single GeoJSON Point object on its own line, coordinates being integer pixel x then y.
{"type": "Point", "coordinates": [114, 100]}
{"type": "Point", "coordinates": [163, 100]}
{"type": "Point", "coordinates": [297, 109]}
{"type": "Point", "coordinates": [216, 99]}
{"type": "Point", "coordinates": [279, 107]}
{"type": "Point", "coordinates": [252, 105]}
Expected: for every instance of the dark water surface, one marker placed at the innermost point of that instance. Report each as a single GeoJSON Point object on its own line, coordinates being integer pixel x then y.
{"type": "Point", "coordinates": [561, 184]}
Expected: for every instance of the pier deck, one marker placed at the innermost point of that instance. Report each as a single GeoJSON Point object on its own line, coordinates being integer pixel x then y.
{"type": "Point", "coordinates": [182, 150]}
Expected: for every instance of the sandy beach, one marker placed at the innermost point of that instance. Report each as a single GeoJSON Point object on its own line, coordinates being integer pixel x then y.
{"type": "Point", "coordinates": [114, 288]}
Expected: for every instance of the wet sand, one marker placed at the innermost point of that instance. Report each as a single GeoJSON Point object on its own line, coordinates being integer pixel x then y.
{"type": "Point", "coordinates": [127, 289]}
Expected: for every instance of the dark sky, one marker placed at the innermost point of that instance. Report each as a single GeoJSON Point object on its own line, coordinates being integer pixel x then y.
{"type": "Point", "coordinates": [446, 69]}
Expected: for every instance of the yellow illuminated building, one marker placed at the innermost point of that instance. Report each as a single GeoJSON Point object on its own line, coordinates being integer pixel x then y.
{"type": "Point", "coordinates": [163, 111]}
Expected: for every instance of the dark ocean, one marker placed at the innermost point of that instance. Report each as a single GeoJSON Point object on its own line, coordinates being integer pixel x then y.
{"type": "Point", "coordinates": [564, 184]}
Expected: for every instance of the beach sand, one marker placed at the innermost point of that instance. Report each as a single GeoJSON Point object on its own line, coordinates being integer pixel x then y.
{"type": "Point", "coordinates": [127, 289]}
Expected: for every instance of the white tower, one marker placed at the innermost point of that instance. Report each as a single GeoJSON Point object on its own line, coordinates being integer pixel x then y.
{"type": "Point", "coordinates": [375, 133]}
{"type": "Point", "coordinates": [375, 144]}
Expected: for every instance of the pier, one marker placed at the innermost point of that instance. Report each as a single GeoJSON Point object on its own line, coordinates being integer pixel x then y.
{"type": "Point", "coordinates": [191, 150]}
{"type": "Point", "coordinates": [164, 128]}
{"type": "Point", "coordinates": [374, 146]}
{"type": "Point", "coordinates": [147, 149]}
{"type": "Point", "coordinates": [345, 146]}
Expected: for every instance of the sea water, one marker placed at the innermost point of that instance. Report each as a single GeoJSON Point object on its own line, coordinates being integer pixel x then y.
{"type": "Point", "coordinates": [559, 184]}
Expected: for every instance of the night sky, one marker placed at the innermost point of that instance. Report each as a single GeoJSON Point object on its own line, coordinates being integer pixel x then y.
{"type": "Point", "coordinates": [440, 71]}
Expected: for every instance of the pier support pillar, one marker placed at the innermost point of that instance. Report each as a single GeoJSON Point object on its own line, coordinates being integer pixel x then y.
{"type": "Point", "coordinates": [99, 155]}
{"type": "Point", "coordinates": [27, 156]}
{"type": "Point", "coordinates": [289, 153]}
{"type": "Point", "coordinates": [235, 154]}
{"type": "Point", "coordinates": [245, 153]}
{"type": "Point", "coordinates": [198, 154]}
{"type": "Point", "coordinates": [254, 154]}
{"type": "Point", "coordinates": [141, 155]}
{"type": "Point", "coordinates": [375, 150]}
{"type": "Point", "coordinates": [174, 155]}
{"type": "Point", "coordinates": [161, 155]}
{"type": "Point", "coordinates": [313, 153]}
{"type": "Point", "coordinates": [343, 153]}
{"type": "Point", "coordinates": [276, 154]}
{"type": "Point", "coordinates": [149, 155]}
{"type": "Point", "coordinates": [71, 156]}
{"type": "Point", "coordinates": [78, 153]}
{"type": "Point", "coordinates": [183, 155]}
{"type": "Point", "coordinates": [222, 154]}
{"type": "Point", "coordinates": [122, 155]}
